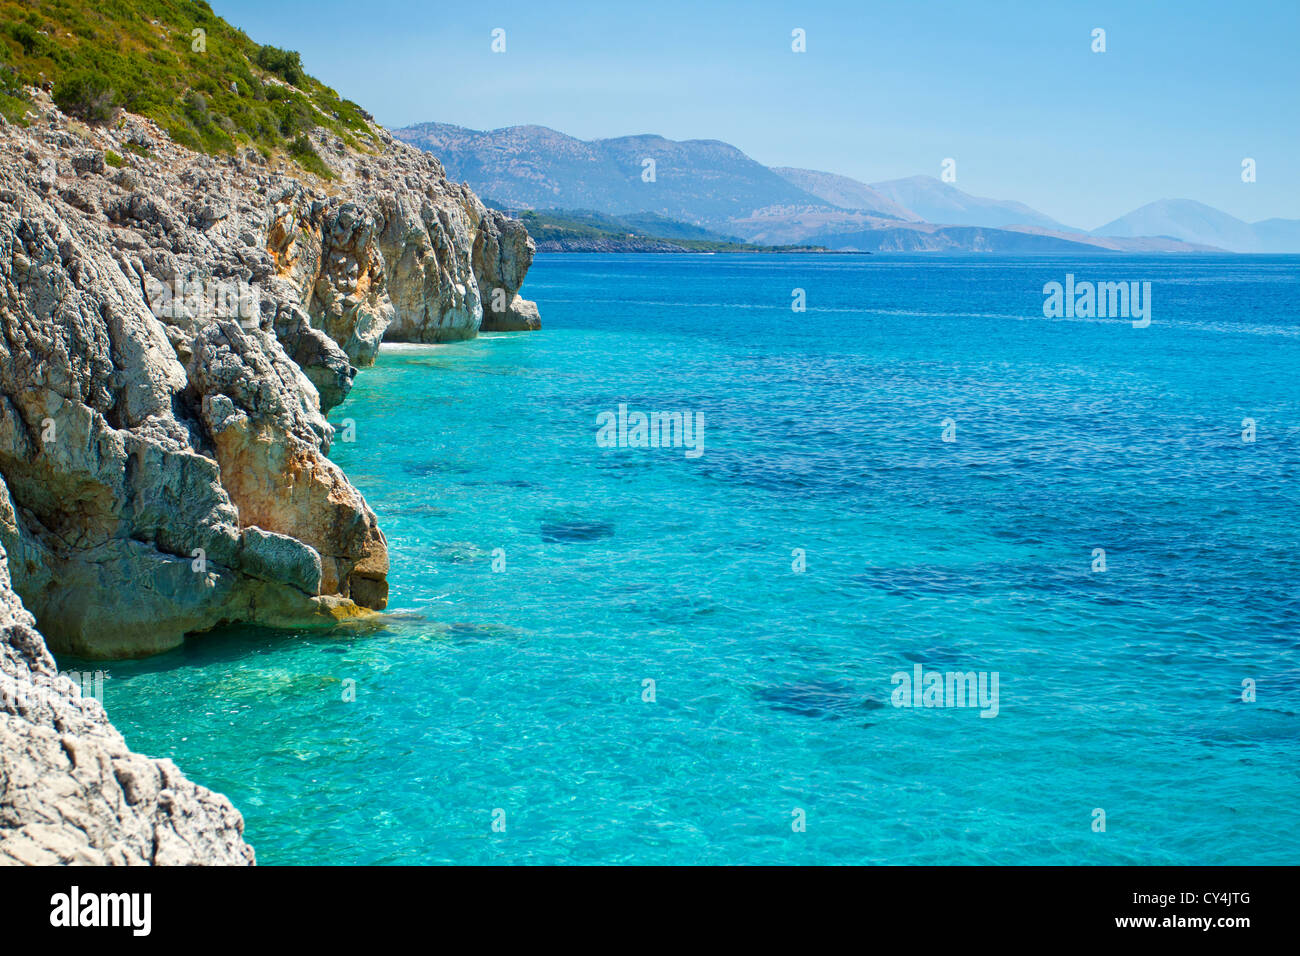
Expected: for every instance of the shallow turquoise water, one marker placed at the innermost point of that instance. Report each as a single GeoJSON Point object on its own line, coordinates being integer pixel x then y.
{"type": "Point", "coordinates": [522, 689]}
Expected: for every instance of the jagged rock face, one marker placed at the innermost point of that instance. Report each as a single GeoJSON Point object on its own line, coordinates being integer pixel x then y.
{"type": "Point", "coordinates": [407, 256]}
{"type": "Point", "coordinates": [520, 315]}
{"type": "Point", "coordinates": [502, 256]}
{"type": "Point", "coordinates": [173, 328]}
{"type": "Point", "coordinates": [165, 460]}
{"type": "Point", "coordinates": [135, 478]}
{"type": "Point", "coordinates": [70, 789]}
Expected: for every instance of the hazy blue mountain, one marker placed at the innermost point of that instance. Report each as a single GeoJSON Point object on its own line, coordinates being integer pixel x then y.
{"type": "Point", "coordinates": [1193, 221]}
{"type": "Point", "coordinates": [696, 181]}
{"type": "Point", "coordinates": [713, 187]}
{"type": "Point", "coordinates": [929, 237]}
{"type": "Point", "coordinates": [1278, 235]}
{"type": "Point", "coordinates": [940, 202]}
{"type": "Point", "coordinates": [934, 238]}
{"type": "Point", "coordinates": [844, 192]}
{"type": "Point", "coordinates": [855, 230]}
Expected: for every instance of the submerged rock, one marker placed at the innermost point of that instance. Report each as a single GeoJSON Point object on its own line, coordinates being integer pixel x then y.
{"type": "Point", "coordinates": [823, 700]}
{"type": "Point", "coordinates": [572, 531]}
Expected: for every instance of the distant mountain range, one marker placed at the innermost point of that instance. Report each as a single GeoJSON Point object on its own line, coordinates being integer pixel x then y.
{"type": "Point", "coordinates": [844, 193]}
{"type": "Point", "coordinates": [714, 187]}
{"type": "Point", "coordinates": [940, 202]}
{"type": "Point", "coordinates": [1197, 222]}
{"type": "Point", "coordinates": [704, 182]}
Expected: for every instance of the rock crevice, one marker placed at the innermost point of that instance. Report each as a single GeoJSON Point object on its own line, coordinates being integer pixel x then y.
{"type": "Point", "coordinates": [174, 328]}
{"type": "Point", "coordinates": [71, 792]}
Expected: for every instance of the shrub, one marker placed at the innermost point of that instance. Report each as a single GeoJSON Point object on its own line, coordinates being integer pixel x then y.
{"type": "Point", "coordinates": [9, 83]}
{"type": "Point", "coordinates": [196, 109]}
{"type": "Point", "coordinates": [26, 36]}
{"type": "Point", "coordinates": [112, 159]}
{"type": "Point", "coordinates": [14, 109]}
{"type": "Point", "coordinates": [107, 56]}
{"type": "Point", "coordinates": [87, 95]}
{"type": "Point", "coordinates": [286, 64]}
{"type": "Point", "coordinates": [306, 156]}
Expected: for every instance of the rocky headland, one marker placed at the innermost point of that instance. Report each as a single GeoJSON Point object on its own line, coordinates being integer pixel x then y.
{"type": "Point", "coordinates": [174, 327]}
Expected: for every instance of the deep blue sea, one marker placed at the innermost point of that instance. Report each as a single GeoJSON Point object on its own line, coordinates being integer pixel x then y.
{"type": "Point", "coordinates": [518, 695]}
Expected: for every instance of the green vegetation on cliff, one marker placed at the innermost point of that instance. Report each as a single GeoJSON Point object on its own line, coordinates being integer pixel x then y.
{"type": "Point", "coordinates": [174, 61]}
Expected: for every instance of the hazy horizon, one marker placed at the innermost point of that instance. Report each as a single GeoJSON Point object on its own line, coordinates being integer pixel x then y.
{"type": "Point", "coordinates": [1014, 94]}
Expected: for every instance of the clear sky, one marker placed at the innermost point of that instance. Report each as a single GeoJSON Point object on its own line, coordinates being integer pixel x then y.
{"type": "Point", "coordinates": [1012, 91]}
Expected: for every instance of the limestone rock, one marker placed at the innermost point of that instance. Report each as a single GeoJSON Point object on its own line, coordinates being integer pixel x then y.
{"type": "Point", "coordinates": [71, 792]}
{"type": "Point", "coordinates": [519, 316]}
{"type": "Point", "coordinates": [137, 446]}
{"type": "Point", "coordinates": [172, 334]}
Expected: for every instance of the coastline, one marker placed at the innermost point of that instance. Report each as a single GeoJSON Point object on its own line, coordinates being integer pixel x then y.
{"type": "Point", "coordinates": [180, 326]}
{"type": "Point", "coordinates": [963, 552]}
{"type": "Point", "coordinates": [521, 689]}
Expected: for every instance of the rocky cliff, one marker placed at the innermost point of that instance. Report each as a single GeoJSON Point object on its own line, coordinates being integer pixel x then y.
{"type": "Point", "coordinates": [71, 791]}
{"type": "Point", "coordinates": [173, 328]}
